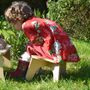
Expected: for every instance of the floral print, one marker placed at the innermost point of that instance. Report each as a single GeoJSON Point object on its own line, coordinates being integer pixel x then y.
{"type": "Point", "coordinates": [57, 47]}
{"type": "Point", "coordinates": [35, 24]}
{"type": "Point", "coordinates": [48, 40]}
{"type": "Point", "coordinates": [53, 28]}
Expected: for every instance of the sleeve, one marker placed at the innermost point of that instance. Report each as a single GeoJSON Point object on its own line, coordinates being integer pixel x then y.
{"type": "Point", "coordinates": [29, 31]}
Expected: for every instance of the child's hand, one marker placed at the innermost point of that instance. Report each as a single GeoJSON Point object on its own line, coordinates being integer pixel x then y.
{"type": "Point", "coordinates": [38, 41]}
{"type": "Point", "coordinates": [57, 59]}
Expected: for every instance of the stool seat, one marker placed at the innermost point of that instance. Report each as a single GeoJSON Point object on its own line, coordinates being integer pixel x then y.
{"type": "Point", "coordinates": [37, 62]}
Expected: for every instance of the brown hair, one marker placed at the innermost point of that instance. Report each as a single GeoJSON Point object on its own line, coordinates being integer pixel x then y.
{"type": "Point", "coordinates": [19, 10]}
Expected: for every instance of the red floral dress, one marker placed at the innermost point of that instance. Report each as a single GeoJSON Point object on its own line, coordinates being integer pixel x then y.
{"type": "Point", "coordinates": [48, 40]}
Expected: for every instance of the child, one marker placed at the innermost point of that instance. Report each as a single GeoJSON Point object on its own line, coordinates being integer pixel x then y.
{"type": "Point", "coordinates": [47, 39]}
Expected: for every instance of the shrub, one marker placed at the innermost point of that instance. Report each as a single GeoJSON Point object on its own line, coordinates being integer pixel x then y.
{"type": "Point", "coordinates": [15, 38]}
{"type": "Point", "coordinates": [73, 15]}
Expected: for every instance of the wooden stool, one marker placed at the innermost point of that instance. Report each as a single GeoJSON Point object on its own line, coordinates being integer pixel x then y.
{"type": "Point", "coordinates": [37, 62]}
{"type": "Point", "coordinates": [4, 61]}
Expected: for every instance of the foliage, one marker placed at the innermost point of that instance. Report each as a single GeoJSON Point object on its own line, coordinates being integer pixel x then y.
{"type": "Point", "coordinates": [73, 15]}
{"type": "Point", "coordinates": [13, 37]}
{"type": "Point", "coordinates": [18, 42]}
{"type": "Point", "coordinates": [77, 78]}
{"type": "Point", "coordinates": [76, 22]}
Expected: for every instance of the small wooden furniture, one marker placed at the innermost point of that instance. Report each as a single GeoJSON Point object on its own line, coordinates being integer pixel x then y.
{"type": "Point", "coordinates": [37, 62]}
{"type": "Point", "coordinates": [4, 61]}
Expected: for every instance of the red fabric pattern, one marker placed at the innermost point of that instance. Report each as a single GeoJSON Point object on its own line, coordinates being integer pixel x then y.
{"type": "Point", "coordinates": [48, 40]}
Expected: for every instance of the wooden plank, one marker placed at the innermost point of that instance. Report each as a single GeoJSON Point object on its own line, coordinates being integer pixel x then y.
{"type": "Point", "coordinates": [40, 58]}
{"type": "Point", "coordinates": [1, 74]}
{"type": "Point", "coordinates": [36, 62]}
{"type": "Point", "coordinates": [5, 57]}
{"type": "Point", "coordinates": [34, 66]}
{"type": "Point", "coordinates": [6, 63]}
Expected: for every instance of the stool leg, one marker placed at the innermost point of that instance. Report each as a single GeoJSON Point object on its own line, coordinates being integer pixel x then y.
{"type": "Point", "coordinates": [1, 74]}
{"type": "Point", "coordinates": [34, 66]}
{"type": "Point", "coordinates": [56, 72]}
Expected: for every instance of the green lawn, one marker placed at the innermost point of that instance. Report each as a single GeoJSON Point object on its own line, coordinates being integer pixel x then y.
{"type": "Point", "coordinates": [78, 75]}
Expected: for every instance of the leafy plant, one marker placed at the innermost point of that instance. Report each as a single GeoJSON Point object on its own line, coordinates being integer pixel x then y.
{"type": "Point", "coordinates": [73, 15]}
{"type": "Point", "coordinates": [18, 42]}
{"type": "Point", "coordinates": [15, 38]}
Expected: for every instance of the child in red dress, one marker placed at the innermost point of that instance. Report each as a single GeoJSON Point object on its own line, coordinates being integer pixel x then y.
{"type": "Point", "coordinates": [47, 38]}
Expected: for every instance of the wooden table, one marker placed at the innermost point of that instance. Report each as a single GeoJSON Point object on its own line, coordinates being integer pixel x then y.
{"type": "Point", "coordinates": [4, 61]}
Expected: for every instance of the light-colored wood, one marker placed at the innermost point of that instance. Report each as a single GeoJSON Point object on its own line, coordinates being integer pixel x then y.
{"type": "Point", "coordinates": [6, 58]}
{"type": "Point", "coordinates": [4, 61]}
{"type": "Point", "coordinates": [40, 58]}
{"type": "Point", "coordinates": [56, 72]}
{"type": "Point", "coordinates": [34, 66]}
{"type": "Point", "coordinates": [1, 74]}
{"type": "Point", "coordinates": [38, 62]}
{"type": "Point", "coordinates": [7, 63]}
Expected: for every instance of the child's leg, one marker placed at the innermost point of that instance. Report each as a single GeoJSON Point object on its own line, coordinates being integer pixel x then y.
{"type": "Point", "coordinates": [22, 66]}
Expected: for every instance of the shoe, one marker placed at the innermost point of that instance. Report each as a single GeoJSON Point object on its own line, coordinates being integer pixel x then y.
{"type": "Point", "coordinates": [21, 69]}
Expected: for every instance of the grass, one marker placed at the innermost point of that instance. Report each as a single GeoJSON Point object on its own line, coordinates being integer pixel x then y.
{"type": "Point", "coordinates": [78, 75]}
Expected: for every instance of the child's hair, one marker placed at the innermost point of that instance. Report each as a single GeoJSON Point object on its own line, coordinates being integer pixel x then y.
{"type": "Point", "coordinates": [19, 10]}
